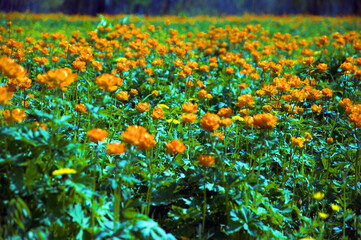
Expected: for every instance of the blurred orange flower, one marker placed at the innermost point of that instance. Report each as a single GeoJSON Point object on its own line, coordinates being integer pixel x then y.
{"type": "Point", "coordinates": [97, 135]}
{"type": "Point", "coordinates": [206, 160]}
{"type": "Point", "coordinates": [116, 148]}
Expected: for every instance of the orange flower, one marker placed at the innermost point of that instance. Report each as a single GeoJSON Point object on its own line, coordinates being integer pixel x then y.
{"type": "Point", "coordinates": [80, 108]}
{"type": "Point", "coordinates": [11, 69]}
{"type": "Point", "coordinates": [41, 126]}
{"type": "Point", "coordinates": [189, 108]}
{"type": "Point", "coordinates": [158, 113]}
{"type": "Point", "coordinates": [355, 117]}
{"type": "Point", "coordinates": [206, 160]}
{"type": "Point", "coordinates": [298, 141]}
{"type": "Point", "coordinates": [345, 102]}
{"type": "Point", "coordinates": [108, 82]}
{"type": "Point", "coordinates": [61, 77]}
{"type": "Point", "coordinates": [329, 140]}
{"type": "Point", "coordinates": [243, 86]}
{"type": "Point", "coordinates": [143, 107]}
{"type": "Point", "coordinates": [225, 112]}
{"type": "Point", "coordinates": [202, 93]}
{"type": "Point", "coordinates": [133, 91]}
{"type": "Point", "coordinates": [267, 108]}
{"type": "Point", "coordinates": [122, 96]}
{"type": "Point", "coordinates": [133, 134]}
{"type": "Point", "coordinates": [97, 135]}
{"type": "Point", "coordinates": [190, 117]}
{"type": "Point", "coordinates": [326, 92]}
{"type": "Point", "coordinates": [219, 135]}
{"type": "Point", "coordinates": [146, 142]}
{"type": "Point", "coordinates": [175, 147]}
{"type": "Point", "coordinates": [316, 109]}
{"type": "Point", "coordinates": [245, 100]}
{"type": "Point", "coordinates": [16, 115]}
{"type": "Point", "coordinates": [265, 120]}
{"type": "Point", "coordinates": [322, 67]}
{"type": "Point", "coordinates": [5, 95]}
{"type": "Point", "coordinates": [226, 122]}
{"type": "Point", "coordinates": [210, 121]}
{"type": "Point", "coordinates": [116, 148]}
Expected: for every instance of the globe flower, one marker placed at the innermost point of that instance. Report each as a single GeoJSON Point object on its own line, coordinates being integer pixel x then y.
{"type": "Point", "coordinates": [61, 78]}
{"type": "Point", "coordinates": [326, 92]}
{"type": "Point", "coordinates": [116, 148]}
{"type": "Point", "coordinates": [316, 108]}
{"type": "Point", "coordinates": [298, 141]}
{"type": "Point", "coordinates": [133, 91]}
{"type": "Point", "coordinates": [210, 122]}
{"type": "Point", "coordinates": [16, 115]}
{"type": "Point", "coordinates": [243, 85]}
{"type": "Point", "coordinates": [226, 122]}
{"type": "Point", "coordinates": [122, 96]}
{"type": "Point", "coordinates": [138, 136]}
{"type": "Point", "coordinates": [133, 133]}
{"type": "Point", "coordinates": [265, 120]}
{"type": "Point", "coordinates": [318, 196]}
{"type": "Point", "coordinates": [206, 160]}
{"type": "Point", "coordinates": [329, 140]}
{"type": "Point", "coordinates": [322, 67]}
{"type": "Point", "coordinates": [11, 69]}
{"type": "Point", "coordinates": [344, 103]}
{"type": "Point", "coordinates": [158, 113]}
{"type": "Point", "coordinates": [245, 100]}
{"type": "Point", "coordinates": [355, 117]}
{"type": "Point", "coordinates": [108, 82]}
{"type": "Point", "coordinates": [189, 108]}
{"type": "Point", "coordinates": [190, 117]}
{"type": "Point", "coordinates": [64, 171]}
{"type": "Point", "coordinates": [146, 142]}
{"type": "Point", "coordinates": [225, 112]}
{"type": "Point", "coordinates": [41, 126]}
{"type": "Point", "coordinates": [219, 135]}
{"type": "Point", "coordinates": [97, 135]}
{"type": "Point", "coordinates": [323, 215]}
{"type": "Point", "coordinates": [335, 207]}
{"type": "Point", "coordinates": [175, 147]}
{"type": "Point", "coordinates": [143, 107]}
{"type": "Point", "coordinates": [80, 108]}
{"type": "Point", "coordinates": [5, 95]}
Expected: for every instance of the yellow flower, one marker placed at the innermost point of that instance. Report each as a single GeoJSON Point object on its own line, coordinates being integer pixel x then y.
{"type": "Point", "coordinates": [174, 121]}
{"type": "Point", "coordinates": [121, 59]}
{"type": "Point", "coordinates": [307, 238]}
{"type": "Point", "coordinates": [238, 118]}
{"type": "Point", "coordinates": [163, 106]}
{"type": "Point", "coordinates": [193, 100]}
{"type": "Point", "coordinates": [64, 171]}
{"type": "Point", "coordinates": [318, 196]}
{"type": "Point", "coordinates": [335, 207]}
{"type": "Point", "coordinates": [323, 215]}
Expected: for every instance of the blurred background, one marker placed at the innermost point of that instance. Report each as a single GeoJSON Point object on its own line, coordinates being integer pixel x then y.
{"type": "Point", "coordinates": [186, 7]}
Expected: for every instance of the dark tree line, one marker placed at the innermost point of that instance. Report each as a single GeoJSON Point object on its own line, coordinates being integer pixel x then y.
{"type": "Point", "coordinates": [186, 7]}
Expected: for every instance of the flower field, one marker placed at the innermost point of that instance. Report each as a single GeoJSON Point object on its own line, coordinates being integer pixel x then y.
{"type": "Point", "coordinates": [137, 127]}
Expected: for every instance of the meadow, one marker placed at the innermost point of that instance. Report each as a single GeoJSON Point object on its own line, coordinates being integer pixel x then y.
{"type": "Point", "coordinates": [139, 127]}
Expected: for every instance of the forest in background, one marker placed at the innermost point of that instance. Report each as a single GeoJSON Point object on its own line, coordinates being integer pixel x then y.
{"type": "Point", "coordinates": [186, 7]}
